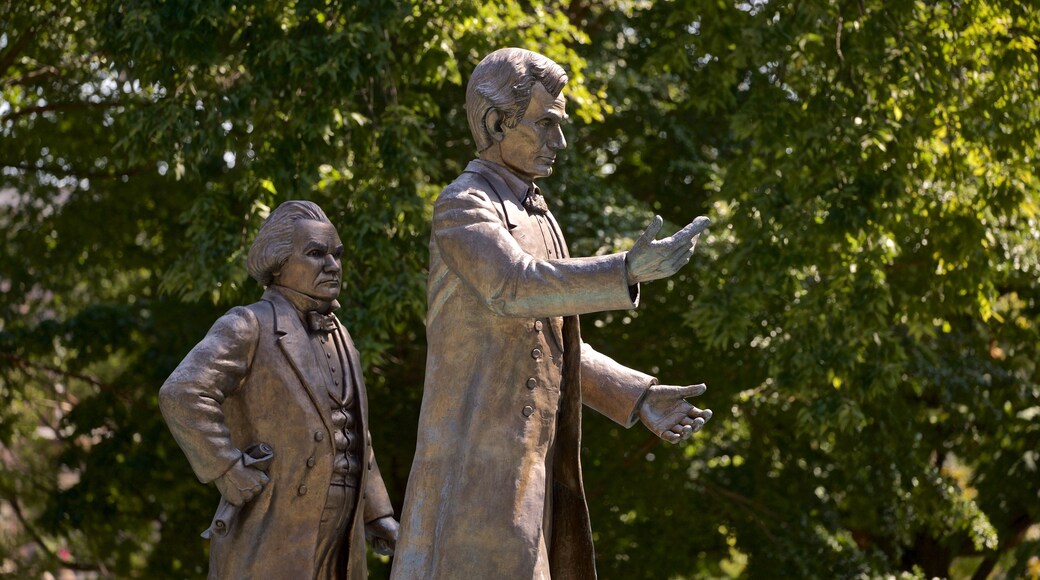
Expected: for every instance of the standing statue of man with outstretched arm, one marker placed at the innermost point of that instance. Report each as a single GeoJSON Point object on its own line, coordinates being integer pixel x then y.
{"type": "Point", "coordinates": [495, 489]}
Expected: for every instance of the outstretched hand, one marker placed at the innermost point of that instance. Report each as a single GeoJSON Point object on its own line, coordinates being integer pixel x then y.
{"type": "Point", "coordinates": [651, 259]}
{"type": "Point", "coordinates": [382, 534]}
{"type": "Point", "coordinates": [241, 483]}
{"type": "Point", "coordinates": [666, 413]}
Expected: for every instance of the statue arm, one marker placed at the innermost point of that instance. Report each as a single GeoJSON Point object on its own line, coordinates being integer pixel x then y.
{"type": "Point", "coordinates": [626, 396]}
{"type": "Point", "coordinates": [381, 528]}
{"type": "Point", "coordinates": [612, 389]}
{"type": "Point", "coordinates": [475, 245]}
{"type": "Point", "coordinates": [377, 500]}
{"type": "Point", "coordinates": [191, 398]}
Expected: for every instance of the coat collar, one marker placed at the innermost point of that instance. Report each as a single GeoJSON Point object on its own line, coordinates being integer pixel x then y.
{"type": "Point", "coordinates": [508, 188]}
{"type": "Point", "coordinates": [294, 341]}
{"type": "Point", "coordinates": [303, 303]}
{"type": "Point", "coordinates": [292, 338]}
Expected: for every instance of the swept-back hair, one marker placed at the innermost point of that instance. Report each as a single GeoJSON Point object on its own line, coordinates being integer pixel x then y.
{"type": "Point", "coordinates": [273, 244]}
{"type": "Point", "coordinates": [503, 82]}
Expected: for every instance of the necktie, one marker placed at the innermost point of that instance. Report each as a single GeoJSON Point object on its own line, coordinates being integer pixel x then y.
{"type": "Point", "coordinates": [534, 203]}
{"type": "Point", "coordinates": [318, 322]}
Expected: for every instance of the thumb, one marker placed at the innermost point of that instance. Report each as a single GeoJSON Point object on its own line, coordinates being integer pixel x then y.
{"type": "Point", "coordinates": [650, 234]}
{"type": "Point", "coordinates": [687, 391]}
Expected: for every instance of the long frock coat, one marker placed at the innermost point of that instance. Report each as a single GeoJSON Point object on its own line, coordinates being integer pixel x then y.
{"type": "Point", "coordinates": [254, 378]}
{"type": "Point", "coordinates": [506, 375]}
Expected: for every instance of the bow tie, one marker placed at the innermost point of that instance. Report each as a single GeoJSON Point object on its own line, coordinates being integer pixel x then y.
{"type": "Point", "coordinates": [318, 322]}
{"type": "Point", "coordinates": [534, 203]}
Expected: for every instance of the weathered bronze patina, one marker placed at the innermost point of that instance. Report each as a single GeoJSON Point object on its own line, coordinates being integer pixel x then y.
{"type": "Point", "coordinates": [271, 406]}
{"type": "Point", "coordinates": [495, 489]}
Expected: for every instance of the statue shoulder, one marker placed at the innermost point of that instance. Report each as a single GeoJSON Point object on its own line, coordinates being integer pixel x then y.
{"type": "Point", "coordinates": [467, 182]}
{"type": "Point", "coordinates": [239, 322]}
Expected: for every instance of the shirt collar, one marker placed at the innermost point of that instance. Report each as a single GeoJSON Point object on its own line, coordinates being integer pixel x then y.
{"type": "Point", "coordinates": [303, 303]}
{"type": "Point", "coordinates": [517, 186]}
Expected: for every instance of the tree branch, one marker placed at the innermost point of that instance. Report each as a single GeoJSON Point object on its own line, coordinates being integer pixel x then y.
{"type": "Point", "coordinates": [13, 50]}
{"type": "Point", "coordinates": [11, 54]}
{"type": "Point", "coordinates": [757, 511]}
{"type": "Point", "coordinates": [49, 107]}
{"type": "Point", "coordinates": [837, 38]}
{"type": "Point", "coordinates": [59, 172]}
{"type": "Point", "coordinates": [43, 72]}
{"type": "Point", "coordinates": [38, 539]}
{"type": "Point", "coordinates": [20, 362]}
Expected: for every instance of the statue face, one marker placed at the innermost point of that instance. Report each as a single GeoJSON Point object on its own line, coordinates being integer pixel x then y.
{"type": "Point", "coordinates": [313, 268]}
{"type": "Point", "coordinates": [529, 149]}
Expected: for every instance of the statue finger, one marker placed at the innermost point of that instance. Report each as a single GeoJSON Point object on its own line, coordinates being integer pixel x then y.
{"type": "Point", "coordinates": [650, 233]}
{"type": "Point", "coordinates": [698, 423]}
{"type": "Point", "coordinates": [692, 229]}
{"type": "Point", "coordinates": [680, 252]}
{"type": "Point", "coordinates": [681, 261]}
{"type": "Point", "coordinates": [679, 258]}
{"type": "Point", "coordinates": [695, 413]}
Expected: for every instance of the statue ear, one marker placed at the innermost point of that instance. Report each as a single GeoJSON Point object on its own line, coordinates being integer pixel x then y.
{"type": "Point", "coordinates": [493, 124]}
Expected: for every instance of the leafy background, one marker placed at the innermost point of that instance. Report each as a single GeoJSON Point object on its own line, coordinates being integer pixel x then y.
{"type": "Point", "coordinates": [865, 308]}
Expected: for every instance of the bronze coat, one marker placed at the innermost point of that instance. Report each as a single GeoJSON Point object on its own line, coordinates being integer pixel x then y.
{"type": "Point", "coordinates": [253, 379]}
{"type": "Point", "coordinates": [492, 409]}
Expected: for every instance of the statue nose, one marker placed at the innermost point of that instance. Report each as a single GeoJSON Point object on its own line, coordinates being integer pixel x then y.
{"type": "Point", "coordinates": [560, 142]}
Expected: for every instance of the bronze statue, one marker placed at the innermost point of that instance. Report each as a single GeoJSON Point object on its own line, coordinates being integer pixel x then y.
{"type": "Point", "coordinates": [495, 489]}
{"type": "Point", "coordinates": [271, 406]}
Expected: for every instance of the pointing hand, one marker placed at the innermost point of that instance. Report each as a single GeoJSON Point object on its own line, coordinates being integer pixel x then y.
{"type": "Point", "coordinates": [651, 259]}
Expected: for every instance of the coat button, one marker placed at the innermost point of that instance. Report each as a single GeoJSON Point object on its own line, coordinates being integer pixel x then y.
{"type": "Point", "coordinates": [537, 325]}
{"type": "Point", "coordinates": [318, 436]}
{"type": "Point", "coordinates": [302, 490]}
{"type": "Point", "coordinates": [532, 383]}
{"type": "Point", "coordinates": [536, 354]}
{"type": "Point", "coordinates": [311, 461]}
{"type": "Point", "coordinates": [528, 411]}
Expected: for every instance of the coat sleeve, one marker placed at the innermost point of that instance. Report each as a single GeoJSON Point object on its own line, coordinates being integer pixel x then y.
{"type": "Point", "coordinates": [191, 398]}
{"type": "Point", "coordinates": [377, 500]}
{"type": "Point", "coordinates": [614, 390]}
{"type": "Point", "coordinates": [476, 245]}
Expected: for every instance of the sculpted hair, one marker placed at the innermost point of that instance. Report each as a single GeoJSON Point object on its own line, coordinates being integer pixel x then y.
{"type": "Point", "coordinates": [503, 82]}
{"type": "Point", "coordinates": [273, 244]}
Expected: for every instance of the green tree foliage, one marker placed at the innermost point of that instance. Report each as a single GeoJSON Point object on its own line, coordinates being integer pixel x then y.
{"type": "Point", "coordinates": [864, 309]}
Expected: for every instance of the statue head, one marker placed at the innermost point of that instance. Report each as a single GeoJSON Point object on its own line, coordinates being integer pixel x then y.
{"type": "Point", "coordinates": [281, 237]}
{"type": "Point", "coordinates": [504, 82]}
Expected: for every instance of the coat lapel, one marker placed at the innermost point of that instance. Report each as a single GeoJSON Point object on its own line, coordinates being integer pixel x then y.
{"type": "Point", "coordinates": [511, 207]}
{"type": "Point", "coordinates": [354, 364]}
{"type": "Point", "coordinates": [295, 344]}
